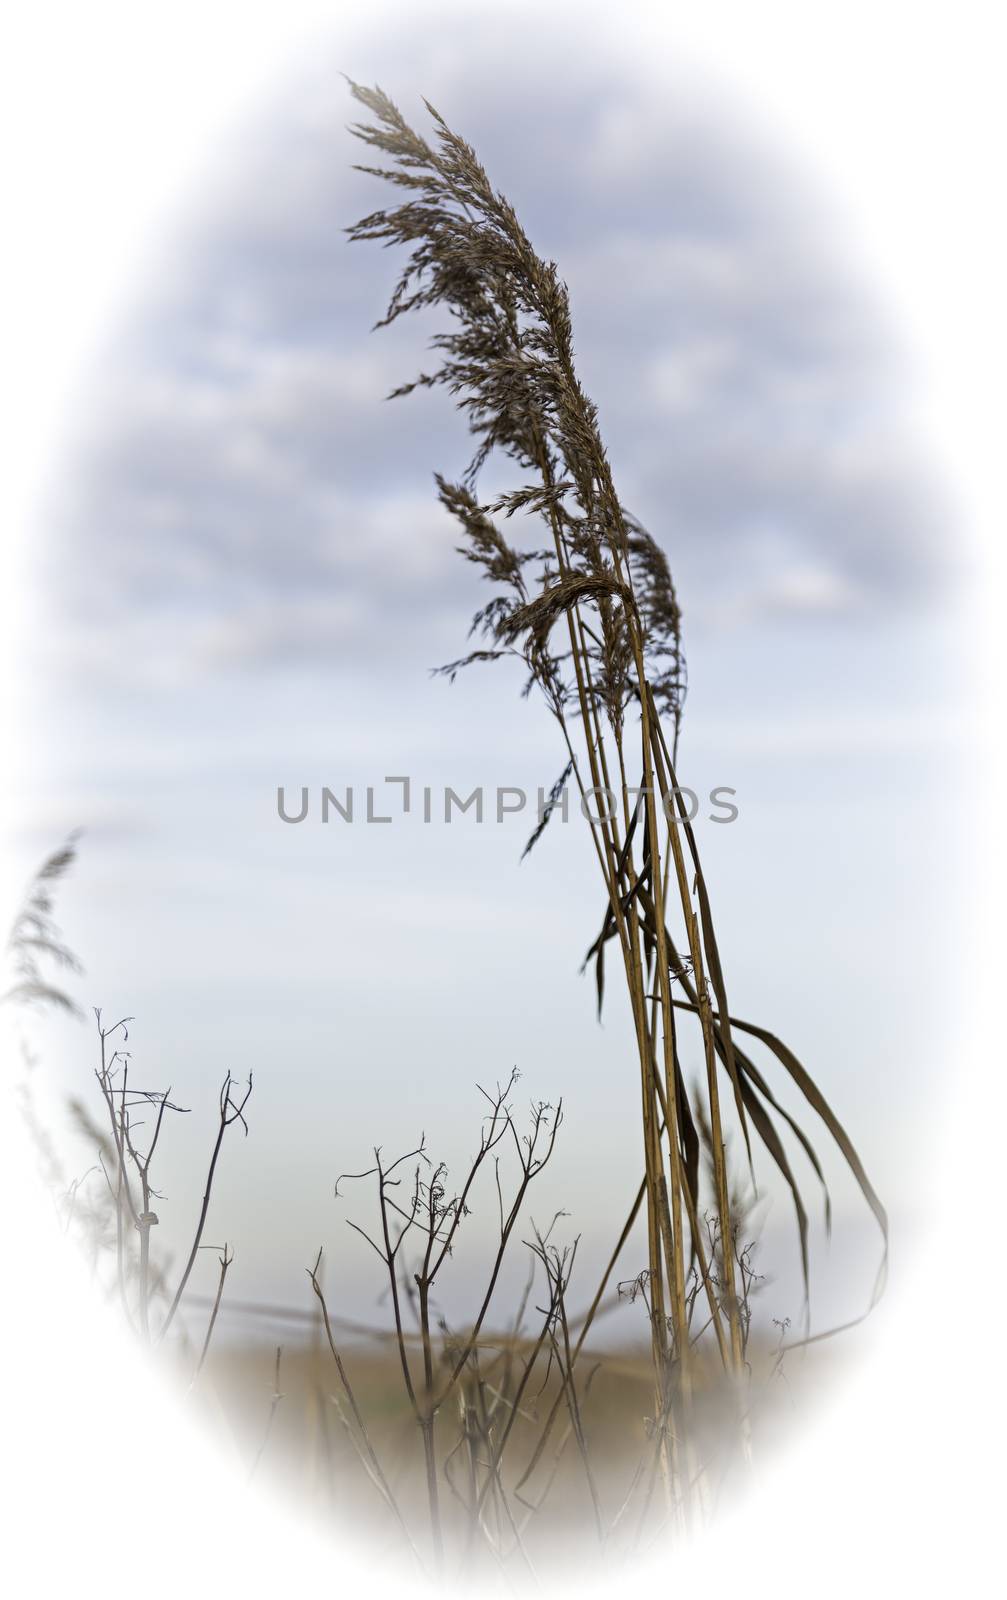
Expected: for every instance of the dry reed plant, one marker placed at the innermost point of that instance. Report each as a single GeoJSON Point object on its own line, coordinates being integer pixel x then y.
{"type": "Point", "coordinates": [34, 940]}
{"type": "Point", "coordinates": [524, 1436]}
{"type": "Point", "coordinates": [505, 1422]}
{"type": "Point", "coordinates": [118, 1223]}
{"type": "Point", "coordinates": [485, 1401]}
{"type": "Point", "coordinates": [131, 1186]}
{"type": "Point", "coordinates": [428, 1216]}
{"type": "Point", "coordinates": [595, 621]}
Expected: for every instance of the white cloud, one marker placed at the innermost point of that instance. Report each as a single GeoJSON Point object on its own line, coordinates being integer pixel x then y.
{"type": "Point", "coordinates": [239, 460]}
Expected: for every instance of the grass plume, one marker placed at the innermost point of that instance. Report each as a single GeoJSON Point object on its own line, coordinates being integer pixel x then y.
{"type": "Point", "coordinates": [595, 619]}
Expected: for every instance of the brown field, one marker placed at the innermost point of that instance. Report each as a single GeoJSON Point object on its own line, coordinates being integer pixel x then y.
{"type": "Point", "coordinates": [301, 1447]}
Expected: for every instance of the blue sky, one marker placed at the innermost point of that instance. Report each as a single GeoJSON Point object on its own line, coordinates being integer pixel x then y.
{"type": "Point", "coordinates": [247, 579]}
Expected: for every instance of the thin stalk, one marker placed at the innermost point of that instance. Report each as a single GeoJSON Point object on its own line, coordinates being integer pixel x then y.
{"type": "Point", "coordinates": [225, 1262]}
{"type": "Point", "coordinates": [709, 1046]}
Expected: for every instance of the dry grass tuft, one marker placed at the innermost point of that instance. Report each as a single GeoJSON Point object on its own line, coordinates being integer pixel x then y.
{"type": "Point", "coordinates": [604, 584]}
{"type": "Point", "coordinates": [498, 1436]}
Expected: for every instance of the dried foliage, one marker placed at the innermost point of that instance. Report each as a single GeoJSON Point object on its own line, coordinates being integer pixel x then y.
{"type": "Point", "coordinates": [116, 1222]}
{"type": "Point", "coordinates": [594, 619]}
{"type": "Point", "coordinates": [417, 1209]}
{"type": "Point", "coordinates": [509, 363]}
{"type": "Point", "coordinates": [35, 940]}
{"type": "Point", "coordinates": [126, 1166]}
{"type": "Point", "coordinates": [603, 584]}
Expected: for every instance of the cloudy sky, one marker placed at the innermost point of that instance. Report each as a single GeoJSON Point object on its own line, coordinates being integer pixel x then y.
{"type": "Point", "coordinates": [245, 578]}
